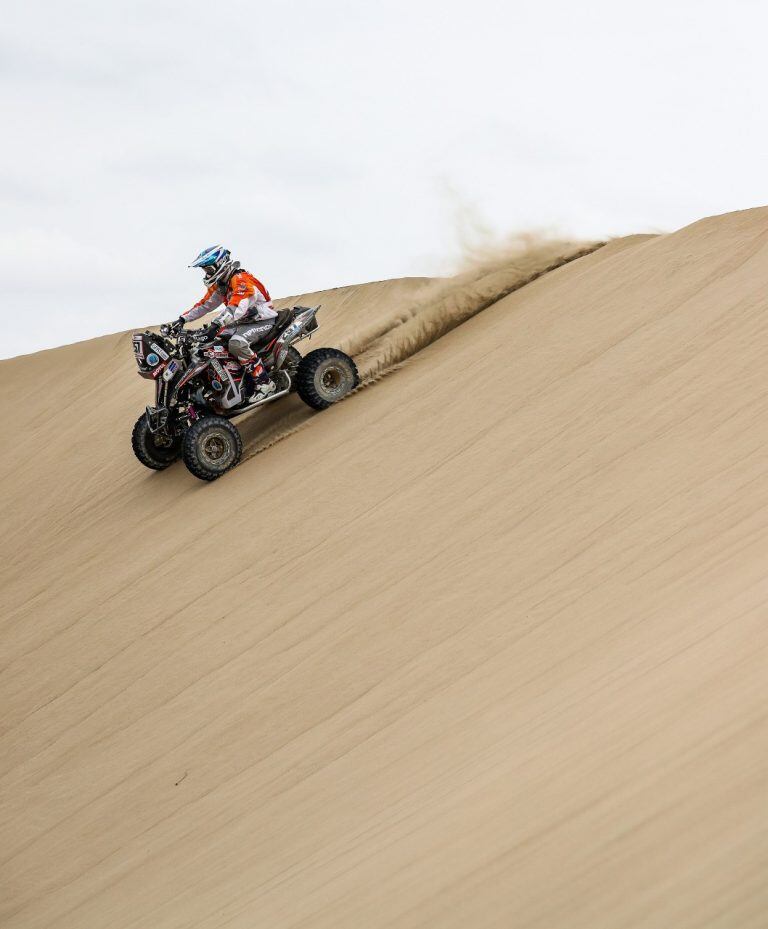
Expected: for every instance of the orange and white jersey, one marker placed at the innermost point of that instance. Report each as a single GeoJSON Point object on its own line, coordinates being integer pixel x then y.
{"type": "Point", "coordinates": [245, 298]}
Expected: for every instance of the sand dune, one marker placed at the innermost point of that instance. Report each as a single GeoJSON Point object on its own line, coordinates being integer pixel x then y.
{"type": "Point", "coordinates": [481, 657]}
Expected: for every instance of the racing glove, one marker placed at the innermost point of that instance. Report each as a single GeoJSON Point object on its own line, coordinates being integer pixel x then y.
{"type": "Point", "coordinates": [177, 325]}
{"type": "Point", "coordinates": [209, 332]}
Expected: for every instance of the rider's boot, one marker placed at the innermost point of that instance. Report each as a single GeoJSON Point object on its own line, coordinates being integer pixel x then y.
{"type": "Point", "coordinates": [257, 384]}
{"type": "Point", "coordinates": [264, 388]}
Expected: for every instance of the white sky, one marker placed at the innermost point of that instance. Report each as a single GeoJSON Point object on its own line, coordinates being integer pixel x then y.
{"type": "Point", "coordinates": [336, 142]}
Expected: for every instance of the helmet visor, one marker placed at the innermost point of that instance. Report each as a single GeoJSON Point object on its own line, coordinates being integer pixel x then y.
{"type": "Point", "coordinates": [214, 271]}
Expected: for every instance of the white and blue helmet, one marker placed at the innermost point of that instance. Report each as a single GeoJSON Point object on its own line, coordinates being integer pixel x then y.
{"type": "Point", "coordinates": [216, 262]}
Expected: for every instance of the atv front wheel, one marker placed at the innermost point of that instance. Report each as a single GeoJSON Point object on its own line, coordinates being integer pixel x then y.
{"type": "Point", "coordinates": [212, 445]}
{"type": "Point", "coordinates": [325, 376]}
{"type": "Point", "coordinates": [153, 451]}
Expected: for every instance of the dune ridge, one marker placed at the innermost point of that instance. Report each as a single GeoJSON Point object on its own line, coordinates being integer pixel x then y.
{"type": "Point", "coordinates": [382, 344]}
{"type": "Point", "coordinates": [447, 303]}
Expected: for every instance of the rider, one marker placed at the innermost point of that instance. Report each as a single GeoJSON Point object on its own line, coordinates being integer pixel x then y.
{"type": "Point", "coordinates": [246, 304]}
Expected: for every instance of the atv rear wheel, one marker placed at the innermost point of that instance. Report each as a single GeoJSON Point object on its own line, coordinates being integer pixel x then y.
{"type": "Point", "coordinates": [153, 451]}
{"type": "Point", "coordinates": [212, 445]}
{"type": "Point", "coordinates": [325, 376]}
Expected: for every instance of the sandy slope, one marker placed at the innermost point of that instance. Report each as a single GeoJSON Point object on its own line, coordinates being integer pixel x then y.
{"type": "Point", "coordinates": [506, 666]}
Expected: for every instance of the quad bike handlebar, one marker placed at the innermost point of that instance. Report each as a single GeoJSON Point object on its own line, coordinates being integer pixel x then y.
{"type": "Point", "coordinates": [188, 336]}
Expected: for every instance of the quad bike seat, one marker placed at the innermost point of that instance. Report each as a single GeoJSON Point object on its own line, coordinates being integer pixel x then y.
{"type": "Point", "coordinates": [282, 319]}
{"type": "Point", "coordinates": [279, 323]}
{"type": "Point", "coordinates": [285, 316]}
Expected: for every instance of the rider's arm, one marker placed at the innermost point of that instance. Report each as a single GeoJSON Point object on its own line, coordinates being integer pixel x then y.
{"type": "Point", "coordinates": [210, 301]}
{"type": "Point", "coordinates": [232, 312]}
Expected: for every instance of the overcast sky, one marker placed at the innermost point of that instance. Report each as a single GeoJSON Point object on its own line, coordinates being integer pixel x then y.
{"type": "Point", "coordinates": [337, 142]}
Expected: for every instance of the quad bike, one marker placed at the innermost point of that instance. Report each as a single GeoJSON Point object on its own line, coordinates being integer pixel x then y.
{"type": "Point", "coordinates": [199, 389]}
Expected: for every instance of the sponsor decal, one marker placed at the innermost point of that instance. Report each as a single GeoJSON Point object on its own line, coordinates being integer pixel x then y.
{"type": "Point", "coordinates": [153, 359]}
{"type": "Point", "coordinates": [292, 331]}
{"type": "Point", "coordinates": [161, 352]}
{"type": "Point", "coordinates": [216, 384]}
{"type": "Point", "coordinates": [158, 370]}
{"type": "Point", "coordinates": [218, 368]}
{"type": "Point", "coordinates": [170, 370]}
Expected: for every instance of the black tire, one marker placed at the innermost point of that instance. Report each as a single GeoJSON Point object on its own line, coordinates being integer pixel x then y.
{"type": "Point", "coordinates": [291, 364]}
{"type": "Point", "coordinates": [325, 376]}
{"type": "Point", "coordinates": [212, 446]}
{"type": "Point", "coordinates": [152, 455]}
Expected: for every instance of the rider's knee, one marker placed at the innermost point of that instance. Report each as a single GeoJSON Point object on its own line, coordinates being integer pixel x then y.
{"type": "Point", "coordinates": [239, 347]}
